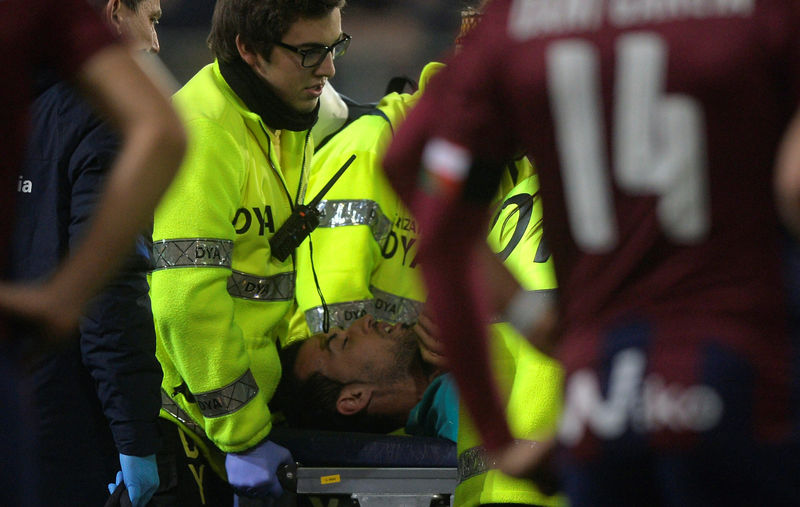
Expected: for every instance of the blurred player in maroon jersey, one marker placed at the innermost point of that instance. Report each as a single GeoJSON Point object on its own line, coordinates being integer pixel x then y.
{"type": "Point", "coordinates": [67, 36]}
{"type": "Point", "coordinates": [659, 130]}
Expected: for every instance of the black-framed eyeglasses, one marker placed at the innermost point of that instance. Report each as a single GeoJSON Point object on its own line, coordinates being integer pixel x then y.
{"type": "Point", "coordinates": [314, 55]}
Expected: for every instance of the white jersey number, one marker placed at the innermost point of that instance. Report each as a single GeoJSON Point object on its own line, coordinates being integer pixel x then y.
{"type": "Point", "coordinates": [658, 141]}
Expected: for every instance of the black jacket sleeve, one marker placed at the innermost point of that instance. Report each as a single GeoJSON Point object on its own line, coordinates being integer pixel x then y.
{"type": "Point", "coordinates": [117, 332]}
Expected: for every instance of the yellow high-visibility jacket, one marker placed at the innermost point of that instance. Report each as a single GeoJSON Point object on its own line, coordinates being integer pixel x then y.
{"type": "Point", "coordinates": [219, 297]}
{"type": "Point", "coordinates": [365, 248]}
{"type": "Point", "coordinates": [530, 382]}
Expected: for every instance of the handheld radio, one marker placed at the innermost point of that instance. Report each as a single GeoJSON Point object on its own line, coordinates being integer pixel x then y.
{"type": "Point", "coordinates": [303, 220]}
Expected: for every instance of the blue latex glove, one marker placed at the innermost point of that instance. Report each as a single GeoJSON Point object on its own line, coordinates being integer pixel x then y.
{"type": "Point", "coordinates": [253, 473]}
{"type": "Point", "coordinates": [140, 474]}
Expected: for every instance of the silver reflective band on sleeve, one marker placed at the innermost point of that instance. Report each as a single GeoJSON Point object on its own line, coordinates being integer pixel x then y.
{"type": "Point", "coordinates": [340, 213]}
{"type": "Point", "coordinates": [179, 253]}
{"type": "Point", "coordinates": [383, 306]}
{"type": "Point", "coordinates": [393, 308]}
{"type": "Point", "coordinates": [278, 287]}
{"type": "Point", "coordinates": [229, 399]}
{"type": "Point", "coordinates": [172, 408]}
{"type": "Point", "coordinates": [340, 314]}
{"type": "Point", "coordinates": [473, 461]}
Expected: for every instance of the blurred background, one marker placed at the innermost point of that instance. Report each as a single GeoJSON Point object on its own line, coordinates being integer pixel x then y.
{"type": "Point", "coordinates": [390, 38]}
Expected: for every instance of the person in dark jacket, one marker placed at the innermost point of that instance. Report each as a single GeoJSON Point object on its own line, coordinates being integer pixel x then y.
{"type": "Point", "coordinates": [96, 400]}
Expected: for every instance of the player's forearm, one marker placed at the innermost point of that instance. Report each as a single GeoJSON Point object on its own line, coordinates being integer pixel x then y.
{"type": "Point", "coordinates": [502, 284]}
{"type": "Point", "coordinates": [455, 287]}
{"type": "Point", "coordinates": [787, 177]}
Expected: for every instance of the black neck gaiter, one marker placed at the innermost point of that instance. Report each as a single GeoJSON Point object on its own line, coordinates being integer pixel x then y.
{"type": "Point", "coordinates": [259, 98]}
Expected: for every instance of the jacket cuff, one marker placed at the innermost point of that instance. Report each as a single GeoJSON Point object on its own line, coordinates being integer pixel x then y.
{"type": "Point", "coordinates": [137, 438]}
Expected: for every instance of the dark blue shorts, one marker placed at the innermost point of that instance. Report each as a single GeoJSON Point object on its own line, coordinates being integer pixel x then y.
{"type": "Point", "coordinates": [647, 423]}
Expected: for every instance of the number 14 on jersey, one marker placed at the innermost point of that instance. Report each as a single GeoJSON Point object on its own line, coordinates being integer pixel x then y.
{"type": "Point", "coordinates": [658, 140]}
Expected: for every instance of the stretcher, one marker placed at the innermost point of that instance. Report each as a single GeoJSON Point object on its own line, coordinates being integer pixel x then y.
{"type": "Point", "coordinates": [335, 469]}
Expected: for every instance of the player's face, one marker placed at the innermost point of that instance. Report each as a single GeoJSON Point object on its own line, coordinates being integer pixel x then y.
{"type": "Point", "coordinates": [139, 26]}
{"type": "Point", "coordinates": [368, 352]}
{"type": "Point", "coordinates": [297, 86]}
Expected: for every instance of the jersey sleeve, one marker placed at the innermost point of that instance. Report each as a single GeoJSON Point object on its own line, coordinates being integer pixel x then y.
{"type": "Point", "coordinates": [72, 33]}
{"type": "Point", "coordinates": [463, 106]}
{"type": "Point", "coordinates": [794, 51]}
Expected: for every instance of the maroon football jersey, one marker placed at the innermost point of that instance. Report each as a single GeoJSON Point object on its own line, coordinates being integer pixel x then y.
{"type": "Point", "coordinates": [654, 127]}
{"type": "Point", "coordinates": [34, 34]}
{"type": "Point", "coordinates": [654, 132]}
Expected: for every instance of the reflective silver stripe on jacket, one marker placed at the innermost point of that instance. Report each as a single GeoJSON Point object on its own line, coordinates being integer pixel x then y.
{"type": "Point", "coordinates": [229, 399]}
{"type": "Point", "coordinates": [340, 314]}
{"type": "Point", "coordinates": [393, 308]}
{"type": "Point", "coordinates": [278, 287]}
{"type": "Point", "coordinates": [340, 213]}
{"type": "Point", "coordinates": [179, 253]}
{"type": "Point", "coordinates": [172, 408]}
{"type": "Point", "coordinates": [473, 461]}
{"type": "Point", "coordinates": [384, 306]}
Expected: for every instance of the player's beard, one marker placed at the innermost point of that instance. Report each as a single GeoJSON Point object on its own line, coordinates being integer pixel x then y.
{"type": "Point", "coordinates": [408, 361]}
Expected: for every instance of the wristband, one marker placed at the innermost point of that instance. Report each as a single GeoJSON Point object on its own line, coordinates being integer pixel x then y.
{"type": "Point", "coordinates": [527, 307]}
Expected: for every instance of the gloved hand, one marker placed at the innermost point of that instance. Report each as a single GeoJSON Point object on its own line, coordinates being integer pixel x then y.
{"type": "Point", "coordinates": [253, 473]}
{"type": "Point", "coordinates": [140, 474]}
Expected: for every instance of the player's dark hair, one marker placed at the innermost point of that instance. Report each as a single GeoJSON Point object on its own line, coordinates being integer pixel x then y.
{"type": "Point", "coordinates": [311, 403]}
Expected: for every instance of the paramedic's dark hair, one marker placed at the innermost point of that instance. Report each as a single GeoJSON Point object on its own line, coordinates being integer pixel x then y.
{"type": "Point", "coordinates": [259, 23]}
{"type": "Point", "coordinates": [130, 4]}
{"type": "Point", "coordinates": [311, 403]}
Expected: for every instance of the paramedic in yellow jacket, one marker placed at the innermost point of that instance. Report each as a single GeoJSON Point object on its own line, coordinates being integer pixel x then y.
{"type": "Point", "coordinates": [364, 263]}
{"type": "Point", "coordinates": [219, 296]}
{"type": "Point", "coordinates": [364, 249]}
